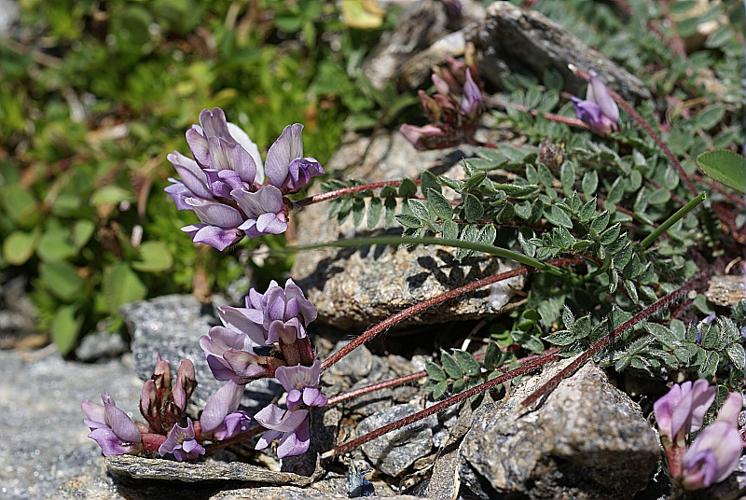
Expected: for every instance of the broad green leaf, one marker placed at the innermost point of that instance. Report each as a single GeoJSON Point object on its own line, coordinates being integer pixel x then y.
{"type": "Point", "coordinates": [82, 232]}
{"type": "Point", "coordinates": [439, 204]}
{"type": "Point", "coordinates": [155, 257]}
{"type": "Point", "coordinates": [374, 212]}
{"type": "Point", "coordinates": [54, 245]}
{"type": "Point", "coordinates": [450, 366]}
{"type": "Point", "coordinates": [18, 247]}
{"type": "Point", "coordinates": [466, 362]}
{"type": "Point", "coordinates": [61, 279]}
{"type": "Point", "coordinates": [65, 328]}
{"type": "Point", "coordinates": [109, 195]}
{"type": "Point", "coordinates": [121, 286]}
{"type": "Point", "coordinates": [20, 205]}
{"type": "Point", "coordinates": [435, 372]}
{"type": "Point", "coordinates": [725, 167]}
{"type": "Point", "coordinates": [473, 209]}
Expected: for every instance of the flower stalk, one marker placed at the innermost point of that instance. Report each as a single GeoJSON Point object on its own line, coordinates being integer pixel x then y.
{"type": "Point", "coordinates": [673, 219]}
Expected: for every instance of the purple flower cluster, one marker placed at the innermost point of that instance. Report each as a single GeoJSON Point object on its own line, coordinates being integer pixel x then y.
{"type": "Point", "coordinates": [267, 338]}
{"type": "Point", "coordinates": [598, 110]}
{"type": "Point", "coordinates": [224, 184]}
{"type": "Point", "coordinates": [111, 428]}
{"type": "Point", "coordinates": [453, 110]}
{"type": "Point", "coordinates": [715, 452]}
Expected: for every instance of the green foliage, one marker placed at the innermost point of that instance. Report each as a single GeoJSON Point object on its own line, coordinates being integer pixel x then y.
{"type": "Point", "coordinates": [726, 167]}
{"type": "Point", "coordinates": [94, 96]}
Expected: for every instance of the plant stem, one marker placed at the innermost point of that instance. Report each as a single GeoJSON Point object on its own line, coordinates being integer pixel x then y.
{"type": "Point", "coordinates": [396, 382]}
{"type": "Point", "coordinates": [573, 122]}
{"type": "Point", "coordinates": [526, 367]}
{"type": "Point", "coordinates": [673, 219]}
{"type": "Point", "coordinates": [397, 318]}
{"type": "Point", "coordinates": [338, 193]}
{"type": "Point", "coordinates": [605, 341]}
{"type": "Point", "coordinates": [428, 240]}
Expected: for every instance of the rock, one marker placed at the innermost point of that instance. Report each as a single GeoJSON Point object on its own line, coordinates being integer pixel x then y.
{"type": "Point", "coordinates": [588, 440]}
{"type": "Point", "coordinates": [172, 325]}
{"type": "Point", "coordinates": [726, 290]}
{"type": "Point", "coordinates": [17, 313]}
{"type": "Point", "coordinates": [8, 16]}
{"type": "Point", "coordinates": [101, 345]}
{"type": "Point", "coordinates": [423, 24]}
{"type": "Point", "coordinates": [158, 469]}
{"type": "Point", "coordinates": [354, 288]}
{"type": "Point", "coordinates": [418, 68]}
{"type": "Point", "coordinates": [289, 493]}
{"type": "Point", "coordinates": [394, 452]}
{"type": "Point", "coordinates": [527, 38]}
{"type": "Point", "coordinates": [44, 440]}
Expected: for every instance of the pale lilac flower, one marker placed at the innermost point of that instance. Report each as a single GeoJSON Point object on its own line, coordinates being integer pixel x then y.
{"type": "Point", "coordinates": [472, 99]}
{"type": "Point", "coordinates": [731, 409]}
{"type": "Point", "coordinates": [418, 136]}
{"type": "Point", "coordinates": [219, 406]}
{"type": "Point", "coordinates": [598, 110]}
{"type": "Point", "coordinates": [265, 211]}
{"type": "Point", "coordinates": [111, 428]}
{"type": "Point", "coordinates": [286, 167]}
{"type": "Point", "coordinates": [291, 427]}
{"type": "Point", "coordinates": [283, 312]}
{"type": "Point", "coordinates": [181, 443]}
{"type": "Point", "coordinates": [682, 409]}
{"type": "Point", "coordinates": [223, 186]}
{"type": "Point", "coordinates": [230, 351]}
{"type": "Point", "coordinates": [712, 457]}
{"type": "Point", "coordinates": [301, 384]}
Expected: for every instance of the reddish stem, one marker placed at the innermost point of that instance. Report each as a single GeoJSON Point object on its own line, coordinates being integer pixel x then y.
{"type": "Point", "coordinates": [396, 382]}
{"type": "Point", "coordinates": [397, 318]}
{"type": "Point", "coordinates": [573, 122]}
{"type": "Point", "coordinates": [338, 193]}
{"type": "Point", "coordinates": [526, 367]}
{"type": "Point", "coordinates": [605, 341]}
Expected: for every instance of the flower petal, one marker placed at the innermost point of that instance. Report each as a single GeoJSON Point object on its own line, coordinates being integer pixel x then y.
{"type": "Point", "coordinates": [285, 149]}
{"type": "Point", "coordinates": [224, 401]}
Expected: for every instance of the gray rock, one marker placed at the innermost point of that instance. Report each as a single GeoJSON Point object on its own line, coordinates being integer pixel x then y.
{"type": "Point", "coordinates": [289, 493]}
{"type": "Point", "coordinates": [172, 325]}
{"type": "Point", "coordinates": [726, 290]}
{"type": "Point", "coordinates": [158, 469]}
{"type": "Point", "coordinates": [44, 439]}
{"type": "Point", "coordinates": [525, 37]}
{"type": "Point", "coordinates": [394, 452]}
{"type": "Point", "coordinates": [588, 440]}
{"type": "Point", "coordinates": [17, 313]}
{"type": "Point", "coordinates": [353, 288]}
{"type": "Point", "coordinates": [8, 15]}
{"type": "Point", "coordinates": [100, 345]}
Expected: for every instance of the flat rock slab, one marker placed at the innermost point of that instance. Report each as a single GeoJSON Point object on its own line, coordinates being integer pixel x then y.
{"type": "Point", "coordinates": [43, 435]}
{"type": "Point", "coordinates": [168, 470]}
{"type": "Point", "coordinates": [353, 288]}
{"type": "Point", "coordinates": [525, 37]}
{"type": "Point", "coordinates": [172, 325]}
{"type": "Point", "coordinates": [288, 493]}
{"type": "Point", "coordinates": [588, 440]}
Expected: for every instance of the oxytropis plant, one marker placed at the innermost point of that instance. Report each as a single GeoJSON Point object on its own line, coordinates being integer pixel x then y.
{"type": "Point", "coordinates": [235, 196]}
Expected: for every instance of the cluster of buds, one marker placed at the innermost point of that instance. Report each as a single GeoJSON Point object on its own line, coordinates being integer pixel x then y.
{"type": "Point", "coordinates": [598, 110]}
{"type": "Point", "coordinates": [163, 404]}
{"type": "Point", "coordinates": [267, 338]}
{"type": "Point", "coordinates": [715, 452]}
{"type": "Point", "coordinates": [454, 110]}
{"type": "Point", "coordinates": [225, 182]}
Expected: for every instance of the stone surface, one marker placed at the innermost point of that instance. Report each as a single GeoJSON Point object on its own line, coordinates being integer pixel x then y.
{"type": "Point", "coordinates": [353, 288]}
{"type": "Point", "coordinates": [422, 24]}
{"type": "Point", "coordinates": [288, 493]}
{"type": "Point", "coordinates": [100, 345]}
{"type": "Point", "coordinates": [394, 452]}
{"type": "Point", "coordinates": [168, 470]}
{"type": "Point", "coordinates": [526, 38]}
{"type": "Point", "coordinates": [588, 440]}
{"type": "Point", "coordinates": [726, 290]}
{"type": "Point", "coordinates": [172, 325]}
{"type": "Point", "coordinates": [44, 439]}
{"type": "Point", "coordinates": [17, 313]}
